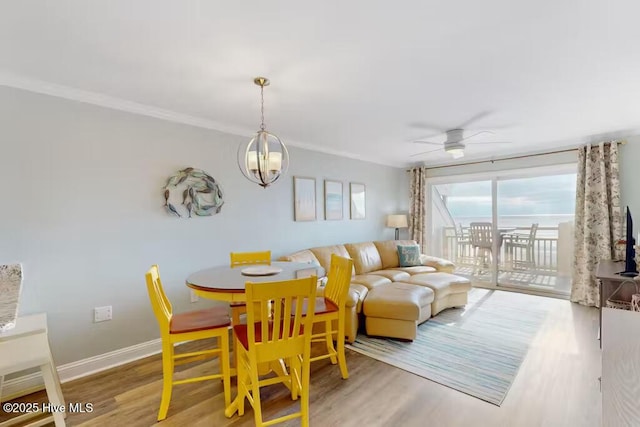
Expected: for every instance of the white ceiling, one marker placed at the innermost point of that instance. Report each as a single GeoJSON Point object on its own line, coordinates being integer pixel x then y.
{"type": "Point", "coordinates": [360, 78]}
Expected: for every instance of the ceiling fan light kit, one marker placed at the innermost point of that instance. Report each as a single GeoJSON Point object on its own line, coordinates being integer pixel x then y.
{"type": "Point", "coordinates": [456, 149]}
{"type": "Point", "coordinates": [453, 145]}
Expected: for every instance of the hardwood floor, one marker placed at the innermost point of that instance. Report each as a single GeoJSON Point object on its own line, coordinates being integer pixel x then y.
{"type": "Point", "coordinates": [557, 385]}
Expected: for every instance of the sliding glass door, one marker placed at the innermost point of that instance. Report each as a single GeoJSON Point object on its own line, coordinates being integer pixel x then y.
{"type": "Point", "coordinates": [535, 215]}
{"type": "Point", "coordinates": [509, 229]}
{"type": "Point", "coordinates": [456, 206]}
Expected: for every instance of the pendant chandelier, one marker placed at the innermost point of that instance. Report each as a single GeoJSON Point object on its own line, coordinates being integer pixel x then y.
{"type": "Point", "coordinates": [264, 158]}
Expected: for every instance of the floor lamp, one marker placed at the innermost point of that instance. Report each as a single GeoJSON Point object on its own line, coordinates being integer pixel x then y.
{"type": "Point", "coordinates": [397, 222]}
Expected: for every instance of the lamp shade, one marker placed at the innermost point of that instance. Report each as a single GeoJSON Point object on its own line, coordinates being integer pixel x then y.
{"type": "Point", "coordinates": [397, 221]}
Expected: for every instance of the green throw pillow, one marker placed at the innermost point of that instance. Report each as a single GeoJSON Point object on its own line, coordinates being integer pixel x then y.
{"type": "Point", "coordinates": [409, 255]}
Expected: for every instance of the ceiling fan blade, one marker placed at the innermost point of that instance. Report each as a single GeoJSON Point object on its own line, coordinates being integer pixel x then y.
{"type": "Point", "coordinates": [427, 142]}
{"type": "Point", "coordinates": [475, 134]}
{"type": "Point", "coordinates": [481, 115]}
{"type": "Point", "coordinates": [491, 142]}
{"type": "Point", "coordinates": [425, 152]}
{"type": "Point", "coordinates": [423, 137]}
{"type": "Point", "coordinates": [427, 126]}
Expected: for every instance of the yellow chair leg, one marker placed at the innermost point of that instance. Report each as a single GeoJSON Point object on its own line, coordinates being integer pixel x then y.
{"type": "Point", "coordinates": [304, 394]}
{"type": "Point", "coordinates": [329, 339]}
{"type": "Point", "coordinates": [236, 311]}
{"type": "Point", "coordinates": [167, 378]}
{"type": "Point", "coordinates": [225, 369]}
{"type": "Point", "coordinates": [342, 360]}
{"type": "Point", "coordinates": [242, 388]}
{"type": "Point", "coordinates": [294, 374]}
{"type": "Point", "coordinates": [255, 394]}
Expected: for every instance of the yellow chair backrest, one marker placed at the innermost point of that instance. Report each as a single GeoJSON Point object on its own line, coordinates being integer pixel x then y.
{"type": "Point", "coordinates": [282, 315]}
{"type": "Point", "coordinates": [244, 258]}
{"type": "Point", "coordinates": [159, 301]}
{"type": "Point", "coordinates": [338, 280]}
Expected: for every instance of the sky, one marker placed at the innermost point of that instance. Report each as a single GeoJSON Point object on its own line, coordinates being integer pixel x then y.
{"type": "Point", "coordinates": [544, 195]}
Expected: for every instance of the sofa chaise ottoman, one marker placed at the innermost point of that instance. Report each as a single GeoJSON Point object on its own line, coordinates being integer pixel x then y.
{"type": "Point", "coordinates": [396, 309]}
{"type": "Point", "coordinates": [449, 290]}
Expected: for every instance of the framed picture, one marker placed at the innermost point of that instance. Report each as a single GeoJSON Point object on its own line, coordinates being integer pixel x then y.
{"type": "Point", "coordinates": [304, 198]}
{"type": "Point", "coordinates": [332, 200]}
{"type": "Point", "coordinates": [358, 200]}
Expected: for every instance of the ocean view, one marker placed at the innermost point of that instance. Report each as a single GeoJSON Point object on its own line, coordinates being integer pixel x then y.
{"type": "Point", "coordinates": [543, 220]}
{"type": "Point", "coordinates": [525, 221]}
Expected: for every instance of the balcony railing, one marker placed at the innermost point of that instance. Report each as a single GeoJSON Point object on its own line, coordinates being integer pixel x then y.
{"type": "Point", "coordinates": [456, 246]}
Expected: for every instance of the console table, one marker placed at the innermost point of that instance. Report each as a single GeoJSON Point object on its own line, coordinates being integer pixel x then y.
{"type": "Point", "coordinates": [609, 279]}
{"type": "Point", "coordinates": [620, 352]}
{"type": "Point", "coordinates": [620, 368]}
{"type": "Point", "coordinates": [27, 346]}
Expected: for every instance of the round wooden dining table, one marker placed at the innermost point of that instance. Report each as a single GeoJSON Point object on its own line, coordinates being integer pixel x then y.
{"type": "Point", "coordinates": [225, 283]}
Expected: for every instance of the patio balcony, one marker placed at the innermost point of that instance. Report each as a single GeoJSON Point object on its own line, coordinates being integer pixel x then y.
{"type": "Point", "coordinates": [547, 268]}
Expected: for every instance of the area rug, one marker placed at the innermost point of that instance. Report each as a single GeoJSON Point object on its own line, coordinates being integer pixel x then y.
{"type": "Point", "coordinates": [476, 350]}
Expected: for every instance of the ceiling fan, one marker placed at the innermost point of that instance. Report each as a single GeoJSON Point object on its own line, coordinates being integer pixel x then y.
{"type": "Point", "coordinates": [454, 144]}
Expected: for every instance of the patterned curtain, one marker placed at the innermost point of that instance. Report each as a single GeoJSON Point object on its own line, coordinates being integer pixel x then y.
{"type": "Point", "coordinates": [417, 211]}
{"type": "Point", "coordinates": [598, 218]}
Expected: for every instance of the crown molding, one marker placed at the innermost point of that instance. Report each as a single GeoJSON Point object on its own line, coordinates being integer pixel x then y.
{"type": "Point", "coordinates": [16, 81]}
{"type": "Point", "coordinates": [107, 101]}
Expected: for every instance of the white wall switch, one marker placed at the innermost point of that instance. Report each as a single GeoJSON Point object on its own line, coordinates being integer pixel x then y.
{"type": "Point", "coordinates": [100, 314]}
{"type": "Point", "coordinates": [194, 296]}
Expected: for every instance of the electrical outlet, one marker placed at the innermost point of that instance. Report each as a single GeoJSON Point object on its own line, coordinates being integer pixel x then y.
{"type": "Point", "coordinates": [194, 296]}
{"type": "Point", "coordinates": [100, 314]}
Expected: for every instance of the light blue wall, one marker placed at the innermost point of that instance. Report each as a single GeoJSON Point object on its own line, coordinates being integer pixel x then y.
{"type": "Point", "coordinates": [630, 178]}
{"type": "Point", "coordinates": [82, 210]}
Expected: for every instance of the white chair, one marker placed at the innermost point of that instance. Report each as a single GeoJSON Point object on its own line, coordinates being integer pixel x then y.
{"type": "Point", "coordinates": [27, 346]}
{"type": "Point", "coordinates": [480, 236]}
{"type": "Point", "coordinates": [520, 249]}
{"type": "Point", "coordinates": [463, 243]}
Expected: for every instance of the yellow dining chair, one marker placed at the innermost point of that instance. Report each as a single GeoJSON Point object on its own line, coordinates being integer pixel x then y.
{"type": "Point", "coordinates": [241, 259]}
{"type": "Point", "coordinates": [246, 258]}
{"type": "Point", "coordinates": [190, 326]}
{"type": "Point", "coordinates": [277, 331]}
{"type": "Point", "coordinates": [330, 310]}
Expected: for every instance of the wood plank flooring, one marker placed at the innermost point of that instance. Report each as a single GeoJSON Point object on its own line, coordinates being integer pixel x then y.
{"type": "Point", "coordinates": [557, 385]}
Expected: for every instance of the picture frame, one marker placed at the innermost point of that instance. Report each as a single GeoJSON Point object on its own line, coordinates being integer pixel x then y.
{"type": "Point", "coordinates": [304, 198]}
{"type": "Point", "coordinates": [358, 200]}
{"type": "Point", "coordinates": [333, 200]}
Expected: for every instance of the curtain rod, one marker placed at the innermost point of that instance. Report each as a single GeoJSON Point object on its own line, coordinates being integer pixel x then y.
{"type": "Point", "coordinates": [512, 158]}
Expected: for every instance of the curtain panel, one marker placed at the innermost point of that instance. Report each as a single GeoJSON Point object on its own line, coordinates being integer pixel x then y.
{"type": "Point", "coordinates": [417, 209]}
{"type": "Point", "coordinates": [598, 218]}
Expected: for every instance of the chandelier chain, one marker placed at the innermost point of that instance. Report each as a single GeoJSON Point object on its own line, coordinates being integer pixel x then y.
{"type": "Point", "coordinates": [261, 107]}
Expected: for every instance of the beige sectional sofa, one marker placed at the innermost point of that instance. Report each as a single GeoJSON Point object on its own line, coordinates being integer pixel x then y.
{"type": "Point", "coordinates": [376, 264]}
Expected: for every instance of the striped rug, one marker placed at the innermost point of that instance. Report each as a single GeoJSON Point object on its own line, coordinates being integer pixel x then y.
{"type": "Point", "coordinates": [476, 350]}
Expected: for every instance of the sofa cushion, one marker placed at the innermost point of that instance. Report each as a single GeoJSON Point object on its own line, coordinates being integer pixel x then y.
{"type": "Point", "coordinates": [418, 269]}
{"type": "Point", "coordinates": [323, 254]}
{"type": "Point", "coordinates": [409, 255]}
{"type": "Point", "coordinates": [388, 250]}
{"type": "Point", "coordinates": [442, 284]}
{"type": "Point", "coordinates": [301, 256]}
{"type": "Point", "coordinates": [370, 281]}
{"type": "Point", "coordinates": [365, 257]}
{"type": "Point", "coordinates": [393, 275]}
{"type": "Point", "coordinates": [357, 294]}
{"type": "Point", "coordinates": [439, 264]}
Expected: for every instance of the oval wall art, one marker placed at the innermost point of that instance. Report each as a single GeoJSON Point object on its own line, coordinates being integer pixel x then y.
{"type": "Point", "coordinates": [199, 194]}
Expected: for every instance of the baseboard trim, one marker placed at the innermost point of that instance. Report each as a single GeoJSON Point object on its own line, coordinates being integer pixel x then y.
{"type": "Point", "coordinates": [30, 383]}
